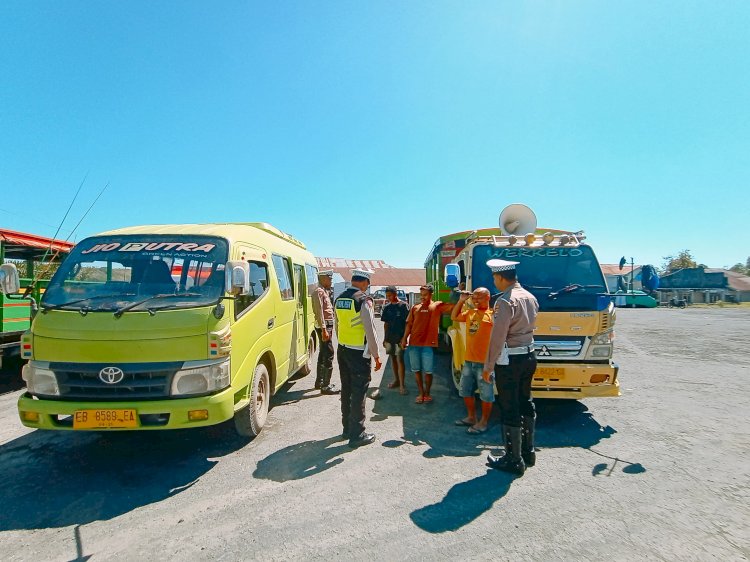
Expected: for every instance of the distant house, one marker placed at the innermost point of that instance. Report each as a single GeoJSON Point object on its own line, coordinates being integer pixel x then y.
{"type": "Point", "coordinates": [620, 278]}
{"type": "Point", "coordinates": [705, 285]}
{"type": "Point", "coordinates": [407, 279]}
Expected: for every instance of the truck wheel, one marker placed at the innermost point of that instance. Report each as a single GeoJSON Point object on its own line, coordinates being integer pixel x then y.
{"type": "Point", "coordinates": [250, 420]}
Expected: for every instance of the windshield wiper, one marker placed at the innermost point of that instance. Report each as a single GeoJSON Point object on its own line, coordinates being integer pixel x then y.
{"type": "Point", "coordinates": [120, 311]}
{"type": "Point", "coordinates": [572, 289]}
{"type": "Point", "coordinates": [47, 307]}
{"type": "Point", "coordinates": [565, 290]}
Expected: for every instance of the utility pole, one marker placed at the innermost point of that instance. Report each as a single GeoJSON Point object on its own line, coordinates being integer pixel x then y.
{"type": "Point", "coordinates": [632, 274]}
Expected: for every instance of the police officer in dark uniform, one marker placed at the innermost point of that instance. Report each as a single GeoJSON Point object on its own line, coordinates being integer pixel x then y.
{"type": "Point", "coordinates": [511, 362]}
{"type": "Point", "coordinates": [322, 303]}
{"type": "Point", "coordinates": [358, 344]}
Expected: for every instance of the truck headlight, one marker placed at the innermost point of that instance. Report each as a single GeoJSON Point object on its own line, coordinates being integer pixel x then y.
{"type": "Point", "coordinates": [602, 351]}
{"type": "Point", "coordinates": [40, 379]}
{"type": "Point", "coordinates": [201, 377]}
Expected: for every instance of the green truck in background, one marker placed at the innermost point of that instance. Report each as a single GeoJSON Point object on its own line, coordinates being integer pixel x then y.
{"type": "Point", "coordinates": [35, 257]}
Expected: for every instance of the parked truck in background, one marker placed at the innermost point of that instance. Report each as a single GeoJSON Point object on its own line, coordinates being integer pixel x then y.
{"type": "Point", "coordinates": [37, 258]}
{"type": "Point", "coordinates": [575, 326]}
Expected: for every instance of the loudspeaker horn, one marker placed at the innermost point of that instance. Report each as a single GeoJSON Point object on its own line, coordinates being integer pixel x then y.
{"type": "Point", "coordinates": [517, 219]}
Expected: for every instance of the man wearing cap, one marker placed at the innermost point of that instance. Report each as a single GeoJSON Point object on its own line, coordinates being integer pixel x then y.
{"type": "Point", "coordinates": [511, 362]}
{"type": "Point", "coordinates": [421, 335]}
{"type": "Point", "coordinates": [393, 315]}
{"type": "Point", "coordinates": [323, 310]}
{"type": "Point", "coordinates": [358, 343]}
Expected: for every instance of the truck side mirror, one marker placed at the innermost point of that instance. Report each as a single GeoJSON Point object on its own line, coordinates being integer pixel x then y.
{"type": "Point", "coordinates": [238, 277]}
{"type": "Point", "coordinates": [452, 274]}
{"type": "Point", "coordinates": [9, 281]}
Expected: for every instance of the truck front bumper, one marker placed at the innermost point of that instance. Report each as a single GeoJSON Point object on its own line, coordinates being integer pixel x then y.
{"type": "Point", "coordinates": [561, 380]}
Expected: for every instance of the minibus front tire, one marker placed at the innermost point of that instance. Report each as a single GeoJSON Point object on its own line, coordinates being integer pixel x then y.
{"type": "Point", "coordinates": [249, 421]}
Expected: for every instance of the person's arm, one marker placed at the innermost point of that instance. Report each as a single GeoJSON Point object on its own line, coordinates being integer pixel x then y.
{"type": "Point", "coordinates": [498, 337]}
{"type": "Point", "coordinates": [367, 315]}
{"type": "Point", "coordinates": [456, 312]}
{"type": "Point", "coordinates": [407, 332]}
{"type": "Point", "coordinates": [318, 311]}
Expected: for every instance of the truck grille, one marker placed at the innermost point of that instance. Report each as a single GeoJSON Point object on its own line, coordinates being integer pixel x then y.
{"type": "Point", "coordinates": [558, 348]}
{"type": "Point", "coordinates": [141, 381]}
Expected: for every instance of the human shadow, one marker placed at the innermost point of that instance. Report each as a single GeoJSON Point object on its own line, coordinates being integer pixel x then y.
{"type": "Point", "coordinates": [286, 395]}
{"type": "Point", "coordinates": [302, 460]}
{"type": "Point", "coordinates": [58, 479]}
{"type": "Point", "coordinates": [463, 503]}
{"type": "Point", "coordinates": [430, 424]}
{"type": "Point", "coordinates": [560, 423]}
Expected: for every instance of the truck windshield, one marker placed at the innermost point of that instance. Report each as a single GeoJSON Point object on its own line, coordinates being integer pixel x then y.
{"type": "Point", "coordinates": [562, 279]}
{"type": "Point", "coordinates": [109, 273]}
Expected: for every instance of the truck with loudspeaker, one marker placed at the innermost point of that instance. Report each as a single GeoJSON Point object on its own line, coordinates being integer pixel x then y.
{"type": "Point", "coordinates": [575, 326]}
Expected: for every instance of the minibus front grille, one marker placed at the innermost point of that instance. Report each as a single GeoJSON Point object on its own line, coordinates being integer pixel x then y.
{"type": "Point", "coordinates": [139, 382]}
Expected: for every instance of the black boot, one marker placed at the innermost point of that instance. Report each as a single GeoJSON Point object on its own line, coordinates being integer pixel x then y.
{"type": "Point", "coordinates": [496, 461]}
{"type": "Point", "coordinates": [511, 461]}
{"type": "Point", "coordinates": [326, 387]}
{"type": "Point", "coordinates": [527, 441]}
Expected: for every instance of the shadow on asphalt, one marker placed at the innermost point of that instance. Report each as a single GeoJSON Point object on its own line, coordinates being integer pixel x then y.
{"type": "Point", "coordinates": [302, 459]}
{"type": "Point", "coordinates": [463, 503]}
{"type": "Point", "coordinates": [57, 479]}
{"type": "Point", "coordinates": [560, 423]}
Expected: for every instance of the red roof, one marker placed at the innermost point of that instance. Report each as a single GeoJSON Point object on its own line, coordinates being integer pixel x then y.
{"type": "Point", "coordinates": [389, 276]}
{"type": "Point", "coordinates": [20, 240]}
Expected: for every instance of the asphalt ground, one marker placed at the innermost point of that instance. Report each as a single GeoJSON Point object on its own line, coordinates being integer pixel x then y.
{"type": "Point", "coordinates": [660, 473]}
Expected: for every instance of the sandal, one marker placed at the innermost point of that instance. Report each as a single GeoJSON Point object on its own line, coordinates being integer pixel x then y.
{"type": "Point", "coordinates": [476, 430]}
{"type": "Point", "coordinates": [419, 400]}
{"type": "Point", "coordinates": [464, 423]}
{"type": "Point", "coordinates": [392, 384]}
{"type": "Point", "coordinates": [403, 392]}
{"type": "Point", "coordinates": [427, 399]}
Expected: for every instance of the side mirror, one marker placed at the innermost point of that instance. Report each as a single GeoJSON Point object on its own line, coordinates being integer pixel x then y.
{"type": "Point", "coordinates": [452, 274]}
{"type": "Point", "coordinates": [9, 281]}
{"type": "Point", "coordinates": [238, 277]}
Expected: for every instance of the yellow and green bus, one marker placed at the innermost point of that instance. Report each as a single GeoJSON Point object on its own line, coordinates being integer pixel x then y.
{"type": "Point", "coordinates": [173, 326]}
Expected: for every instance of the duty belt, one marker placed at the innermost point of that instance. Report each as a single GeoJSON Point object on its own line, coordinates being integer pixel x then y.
{"type": "Point", "coordinates": [526, 349]}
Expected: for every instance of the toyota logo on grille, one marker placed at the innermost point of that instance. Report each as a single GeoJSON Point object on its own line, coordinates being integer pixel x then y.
{"type": "Point", "coordinates": [111, 375]}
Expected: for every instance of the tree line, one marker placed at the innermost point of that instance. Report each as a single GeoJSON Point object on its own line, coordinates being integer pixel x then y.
{"type": "Point", "coordinates": [684, 260]}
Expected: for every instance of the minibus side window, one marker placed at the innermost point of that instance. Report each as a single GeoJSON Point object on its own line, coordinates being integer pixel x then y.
{"type": "Point", "coordinates": [312, 278]}
{"type": "Point", "coordinates": [258, 286]}
{"type": "Point", "coordinates": [284, 277]}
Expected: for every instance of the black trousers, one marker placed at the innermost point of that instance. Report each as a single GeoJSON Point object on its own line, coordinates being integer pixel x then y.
{"type": "Point", "coordinates": [355, 380]}
{"type": "Point", "coordinates": [325, 358]}
{"type": "Point", "coordinates": [514, 388]}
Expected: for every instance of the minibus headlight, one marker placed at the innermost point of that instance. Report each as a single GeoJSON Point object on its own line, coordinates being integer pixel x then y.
{"type": "Point", "coordinates": [40, 379]}
{"type": "Point", "coordinates": [201, 377]}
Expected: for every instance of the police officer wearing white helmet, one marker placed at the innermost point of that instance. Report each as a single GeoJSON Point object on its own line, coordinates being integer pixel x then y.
{"type": "Point", "coordinates": [511, 362]}
{"type": "Point", "coordinates": [358, 344]}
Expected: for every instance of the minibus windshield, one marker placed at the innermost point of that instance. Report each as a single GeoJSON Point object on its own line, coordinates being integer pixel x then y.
{"type": "Point", "coordinates": [139, 272]}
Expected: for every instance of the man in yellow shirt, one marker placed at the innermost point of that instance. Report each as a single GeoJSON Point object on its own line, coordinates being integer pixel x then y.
{"type": "Point", "coordinates": [479, 322]}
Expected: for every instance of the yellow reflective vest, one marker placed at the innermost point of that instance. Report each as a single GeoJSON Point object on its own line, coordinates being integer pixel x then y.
{"type": "Point", "coordinates": [350, 330]}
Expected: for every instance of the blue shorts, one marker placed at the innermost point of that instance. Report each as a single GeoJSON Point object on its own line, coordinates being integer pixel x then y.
{"type": "Point", "coordinates": [471, 379]}
{"type": "Point", "coordinates": [421, 358]}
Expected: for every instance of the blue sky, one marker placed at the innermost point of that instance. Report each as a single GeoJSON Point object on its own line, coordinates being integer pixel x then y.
{"type": "Point", "coordinates": [368, 129]}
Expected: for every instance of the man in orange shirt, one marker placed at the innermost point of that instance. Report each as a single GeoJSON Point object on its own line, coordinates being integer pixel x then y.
{"type": "Point", "coordinates": [421, 335]}
{"type": "Point", "coordinates": [479, 322]}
